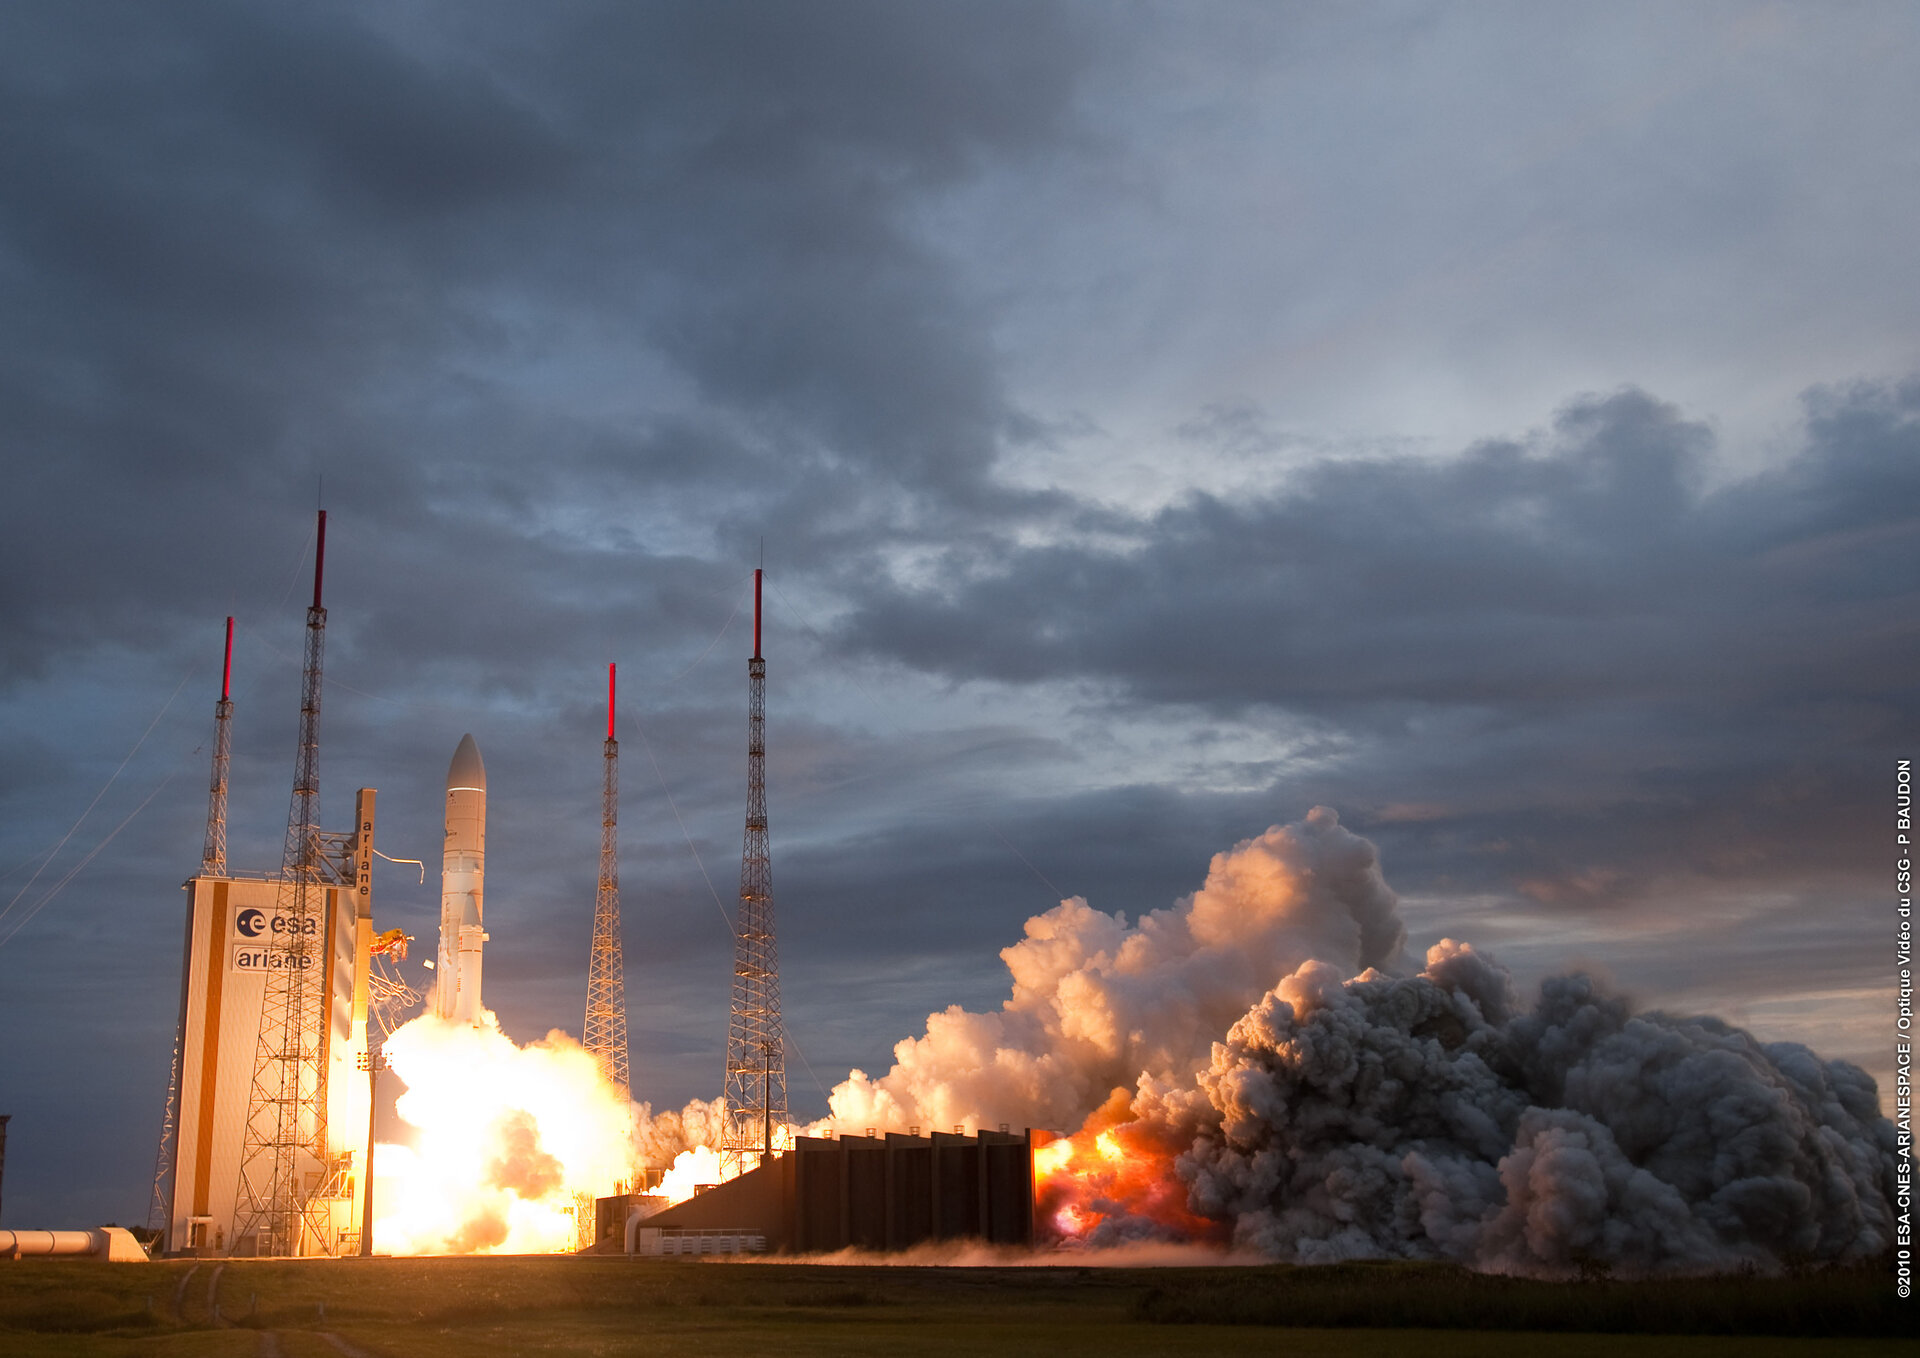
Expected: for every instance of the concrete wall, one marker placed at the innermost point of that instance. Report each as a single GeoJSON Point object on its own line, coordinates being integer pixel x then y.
{"type": "Point", "coordinates": [875, 1193]}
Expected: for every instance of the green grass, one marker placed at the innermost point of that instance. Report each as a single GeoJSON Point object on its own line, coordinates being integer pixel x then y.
{"type": "Point", "coordinates": [462, 1308]}
{"type": "Point", "coordinates": [1856, 1301]}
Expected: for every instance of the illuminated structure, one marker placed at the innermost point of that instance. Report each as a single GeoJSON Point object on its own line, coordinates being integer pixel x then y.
{"type": "Point", "coordinates": [283, 1159]}
{"type": "Point", "coordinates": [605, 1031]}
{"type": "Point", "coordinates": [265, 1124]}
{"type": "Point", "coordinates": [755, 1097]}
{"type": "Point", "coordinates": [232, 922]}
{"type": "Point", "coordinates": [828, 1194]}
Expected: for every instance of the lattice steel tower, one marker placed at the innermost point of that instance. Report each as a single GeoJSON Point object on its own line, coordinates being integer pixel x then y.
{"type": "Point", "coordinates": [283, 1159]}
{"type": "Point", "coordinates": [213, 863]}
{"type": "Point", "coordinates": [213, 857]}
{"type": "Point", "coordinates": [606, 1026]}
{"type": "Point", "coordinates": [756, 1089]}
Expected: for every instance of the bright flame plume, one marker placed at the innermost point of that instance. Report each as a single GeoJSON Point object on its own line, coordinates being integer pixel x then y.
{"type": "Point", "coordinates": [505, 1137]}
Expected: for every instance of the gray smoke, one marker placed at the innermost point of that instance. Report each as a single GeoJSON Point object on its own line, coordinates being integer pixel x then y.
{"type": "Point", "coordinates": [1423, 1117]}
{"type": "Point", "coordinates": [1386, 1116]}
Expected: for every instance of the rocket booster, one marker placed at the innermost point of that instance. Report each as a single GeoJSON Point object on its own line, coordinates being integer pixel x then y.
{"type": "Point", "coordinates": [462, 888]}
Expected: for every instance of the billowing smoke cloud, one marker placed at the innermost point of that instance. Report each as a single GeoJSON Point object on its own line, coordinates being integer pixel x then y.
{"type": "Point", "coordinates": [1096, 1003]}
{"type": "Point", "coordinates": [1421, 1117]}
{"type": "Point", "coordinates": [1234, 1080]}
{"type": "Point", "coordinates": [664, 1137]}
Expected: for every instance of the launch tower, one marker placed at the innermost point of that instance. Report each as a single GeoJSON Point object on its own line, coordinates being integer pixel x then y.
{"type": "Point", "coordinates": [284, 1165]}
{"type": "Point", "coordinates": [606, 1023]}
{"type": "Point", "coordinates": [755, 1101]}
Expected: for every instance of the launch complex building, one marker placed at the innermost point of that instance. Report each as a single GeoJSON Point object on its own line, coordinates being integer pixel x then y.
{"type": "Point", "coordinates": [268, 1132]}
{"type": "Point", "coordinates": [285, 996]}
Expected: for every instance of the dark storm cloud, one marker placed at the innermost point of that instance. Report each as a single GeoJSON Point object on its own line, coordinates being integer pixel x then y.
{"type": "Point", "coordinates": [1587, 567]}
{"type": "Point", "coordinates": [1564, 647]}
{"type": "Point", "coordinates": [246, 247]}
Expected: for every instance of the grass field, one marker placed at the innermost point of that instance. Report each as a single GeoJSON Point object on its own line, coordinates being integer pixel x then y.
{"type": "Point", "coordinates": [459, 1308]}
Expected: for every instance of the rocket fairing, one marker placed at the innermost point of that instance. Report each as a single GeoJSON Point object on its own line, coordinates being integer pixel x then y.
{"type": "Point", "coordinates": [463, 873]}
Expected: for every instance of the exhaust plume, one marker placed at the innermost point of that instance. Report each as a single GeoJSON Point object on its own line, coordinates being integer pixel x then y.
{"type": "Point", "coordinates": [1420, 1117]}
{"type": "Point", "coordinates": [504, 1136]}
{"type": "Point", "coordinates": [1246, 1069]}
{"type": "Point", "coordinates": [1096, 1003]}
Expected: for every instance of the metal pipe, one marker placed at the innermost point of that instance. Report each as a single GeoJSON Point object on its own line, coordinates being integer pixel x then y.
{"type": "Point", "coordinates": [109, 1243]}
{"type": "Point", "coordinates": [25, 1244]}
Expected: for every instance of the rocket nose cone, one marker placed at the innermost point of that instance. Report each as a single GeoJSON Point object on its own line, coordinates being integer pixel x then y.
{"type": "Point", "coordinates": [466, 770]}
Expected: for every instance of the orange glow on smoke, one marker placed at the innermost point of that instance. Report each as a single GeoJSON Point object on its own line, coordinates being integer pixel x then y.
{"type": "Point", "coordinates": [1113, 1168]}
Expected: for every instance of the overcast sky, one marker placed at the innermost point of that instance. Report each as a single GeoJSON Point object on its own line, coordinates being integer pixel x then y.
{"type": "Point", "coordinates": [1497, 422]}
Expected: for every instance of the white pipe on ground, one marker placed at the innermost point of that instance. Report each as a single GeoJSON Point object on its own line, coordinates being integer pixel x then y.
{"type": "Point", "coordinates": [109, 1243]}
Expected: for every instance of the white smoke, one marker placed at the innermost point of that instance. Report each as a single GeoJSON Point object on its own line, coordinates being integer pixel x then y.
{"type": "Point", "coordinates": [664, 1137]}
{"type": "Point", "coordinates": [1096, 1003]}
{"type": "Point", "coordinates": [1239, 1082]}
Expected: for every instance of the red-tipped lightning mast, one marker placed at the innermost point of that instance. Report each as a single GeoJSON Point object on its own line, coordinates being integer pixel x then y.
{"type": "Point", "coordinates": [283, 1150]}
{"type": "Point", "coordinates": [213, 857]}
{"type": "Point", "coordinates": [605, 1033]}
{"type": "Point", "coordinates": [755, 1098]}
{"type": "Point", "coordinates": [213, 863]}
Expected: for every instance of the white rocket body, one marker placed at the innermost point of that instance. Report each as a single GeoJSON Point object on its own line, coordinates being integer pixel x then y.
{"type": "Point", "coordinates": [463, 874]}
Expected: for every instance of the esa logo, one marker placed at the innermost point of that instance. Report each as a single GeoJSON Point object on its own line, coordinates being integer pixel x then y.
{"type": "Point", "coordinates": [252, 923]}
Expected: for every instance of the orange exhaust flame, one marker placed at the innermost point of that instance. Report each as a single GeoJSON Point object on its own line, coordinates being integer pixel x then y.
{"type": "Point", "coordinates": [1113, 1181]}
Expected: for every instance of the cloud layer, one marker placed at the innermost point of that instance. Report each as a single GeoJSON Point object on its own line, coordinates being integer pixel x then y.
{"type": "Point", "coordinates": [1499, 430]}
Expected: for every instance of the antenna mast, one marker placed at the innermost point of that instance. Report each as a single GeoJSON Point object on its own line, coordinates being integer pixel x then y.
{"type": "Point", "coordinates": [283, 1160]}
{"type": "Point", "coordinates": [213, 863]}
{"type": "Point", "coordinates": [755, 1101]}
{"type": "Point", "coordinates": [213, 858]}
{"type": "Point", "coordinates": [606, 1024]}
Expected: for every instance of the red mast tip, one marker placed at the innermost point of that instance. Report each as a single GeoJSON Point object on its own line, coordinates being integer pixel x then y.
{"type": "Point", "coordinates": [756, 613]}
{"type": "Point", "coordinates": [226, 666]}
{"type": "Point", "coordinates": [609, 700]}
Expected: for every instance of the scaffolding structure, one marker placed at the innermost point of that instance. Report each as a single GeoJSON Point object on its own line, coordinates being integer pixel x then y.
{"type": "Point", "coordinates": [606, 1021]}
{"type": "Point", "coordinates": [285, 1173]}
{"type": "Point", "coordinates": [755, 1098]}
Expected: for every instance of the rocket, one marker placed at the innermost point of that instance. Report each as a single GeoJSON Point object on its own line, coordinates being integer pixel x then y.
{"type": "Point", "coordinates": [463, 874]}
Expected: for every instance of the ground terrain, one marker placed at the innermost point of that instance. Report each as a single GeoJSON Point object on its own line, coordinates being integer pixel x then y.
{"type": "Point", "coordinates": [459, 1308]}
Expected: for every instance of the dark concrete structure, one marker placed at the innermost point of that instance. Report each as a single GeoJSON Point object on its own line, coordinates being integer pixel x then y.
{"type": "Point", "coordinates": [872, 1193]}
